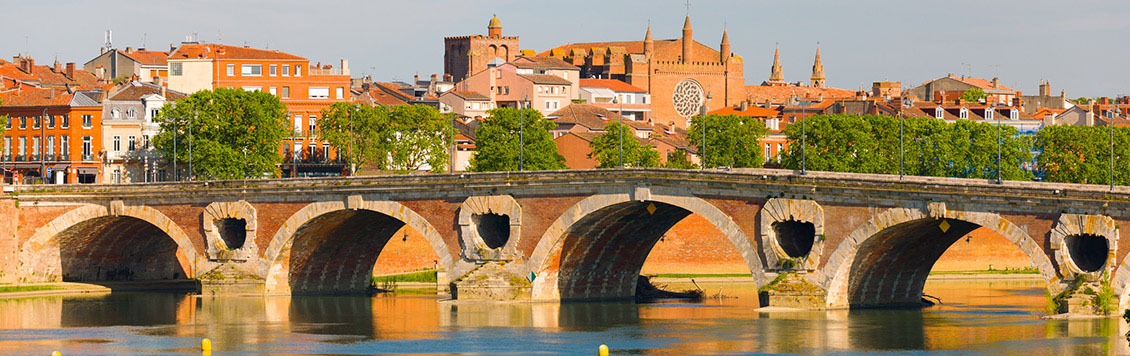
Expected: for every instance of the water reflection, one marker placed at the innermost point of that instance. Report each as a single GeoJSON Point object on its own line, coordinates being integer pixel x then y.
{"type": "Point", "coordinates": [985, 317]}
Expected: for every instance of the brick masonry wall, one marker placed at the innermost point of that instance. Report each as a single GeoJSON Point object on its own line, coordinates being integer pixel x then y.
{"type": "Point", "coordinates": [407, 251]}
{"type": "Point", "coordinates": [9, 246]}
{"type": "Point", "coordinates": [694, 245]}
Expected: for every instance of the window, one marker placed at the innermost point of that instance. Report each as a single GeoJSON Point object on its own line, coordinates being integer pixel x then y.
{"type": "Point", "coordinates": [325, 150]}
{"type": "Point", "coordinates": [989, 113]}
{"type": "Point", "coordinates": [36, 121]}
{"type": "Point", "coordinates": [153, 114]}
{"type": "Point", "coordinates": [8, 123]}
{"type": "Point", "coordinates": [64, 145]}
{"type": "Point", "coordinates": [23, 122]}
{"type": "Point", "coordinates": [50, 121]}
{"type": "Point", "coordinates": [313, 122]}
{"type": "Point", "coordinates": [252, 70]}
{"type": "Point", "coordinates": [66, 121]}
{"type": "Point", "coordinates": [117, 143]}
{"type": "Point", "coordinates": [298, 70]}
{"type": "Point", "coordinates": [131, 113]}
{"type": "Point", "coordinates": [117, 175]}
{"type": "Point", "coordinates": [176, 69]}
{"type": "Point", "coordinates": [274, 91]}
{"type": "Point", "coordinates": [285, 91]}
{"type": "Point", "coordinates": [20, 149]}
{"type": "Point", "coordinates": [145, 142]}
{"type": "Point", "coordinates": [87, 121]}
{"type": "Point", "coordinates": [1014, 114]}
{"type": "Point", "coordinates": [285, 70]}
{"type": "Point", "coordinates": [231, 70]}
{"type": "Point", "coordinates": [131, 143]}
{"type": "Point", "coordinates": [780, 148]}
{"type": "Point", "coordinates": [319, 93]}
{"type": "Point", "coordinates": [7, 148]}
{"type": "Point", "coordinates": [767, 153]}
{"type": "Point", "coordinates": [50, 146]}
{"type": "Point", "coordinates": [298, 125]}
{"type": "Point", "coordinates": [87, 147]}
{"type": "Point", "coordinates": [115, 114]}
{"type": "Point", "coordinates": [252, 88]}
{"type": "Point", "coordinates": [340, 93]}
{"type": "Point", "coordinates": [964, 113]}
{"type": "Point", "coordinates": [35, 146]}
{"type": "Point", "coordinates": [939, 113]}
{"type": "Point", "coordinates": [274, 69]}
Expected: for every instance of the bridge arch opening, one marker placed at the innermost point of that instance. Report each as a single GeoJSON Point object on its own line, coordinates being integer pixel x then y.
{"type": "Point", "coordinates": [889, 268]}
{"type": "Point", "coordinates": [1088, 251]}
{"type": "Point", "coordinates": [598, 248]}
{"type": "Point", "coordinates": [118, 248]}
{"type": "Point", "coordinates": [233, 231]}
{"type": "Point", "coordinates": [795, 237]}
{"type": "Point", "coordinates": [493, 228]}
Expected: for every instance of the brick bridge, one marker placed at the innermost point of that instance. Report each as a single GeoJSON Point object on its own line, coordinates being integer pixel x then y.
{"type": "Point", "coordinates": [866, 240]}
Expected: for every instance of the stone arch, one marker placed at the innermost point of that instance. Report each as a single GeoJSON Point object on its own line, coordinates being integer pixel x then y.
{"type": "Point", "coordinates": [836, 275]}
{"type": "Point", "coordinates": [504, 52]}
{"type": "Point", "coordinates": [782, 210]}
{"type": "Point", "coordinates": [41, 257]}
{"type": "Point", "coordinates": [546, 259]}
{"type": "Point", "coordinates": [218, 249]}
{"type": "Point", "coordinates": [1070, 225]}
{"type": "Point", "coordinates": [474, 244]}
{"type": "Point", "coordinates": [493, 51]}
{"type": "Point", "coordinates": [275, 265]}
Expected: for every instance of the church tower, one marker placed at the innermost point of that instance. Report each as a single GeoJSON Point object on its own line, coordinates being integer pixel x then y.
{"type": "Point", "coordinates": [494, 28]}
{"type": "Point", "coordinates": [724, 48]}
{"type": "Point", "coordinates": [688, 39]}
{"type": "Point", "coordinates": [775, 74]}
{"type": "Point", "coordinates": [648, 44]}
{"type": "Point", "coordinates": [818, 71]}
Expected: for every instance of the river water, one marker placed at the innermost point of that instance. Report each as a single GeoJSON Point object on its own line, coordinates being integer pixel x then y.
{"type": "Point", "coordinates": [976, 317]}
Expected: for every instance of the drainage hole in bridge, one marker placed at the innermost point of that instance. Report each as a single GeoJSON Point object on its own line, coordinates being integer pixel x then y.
{"type": "Point", "coordinates": [233, 231]}
{"type": "Point", "coordinates": [1089, 252]}
{"type": "Point", "coordinates": [494, 229]}
{"type": "Point", "coordinates": [795, 237]}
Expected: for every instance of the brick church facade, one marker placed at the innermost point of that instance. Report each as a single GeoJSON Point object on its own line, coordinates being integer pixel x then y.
{"type": "Point", "coordinates": [467, 55]}
{"type": "Point", "coordinates": [680, 74]}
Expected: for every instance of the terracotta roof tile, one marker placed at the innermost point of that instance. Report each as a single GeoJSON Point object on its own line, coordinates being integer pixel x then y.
{"type": "Point", "coordinates": [28, 96]}
{"type": "Point", "coordinates": [545, 79]}
{"type": "Point", "coordinates": [542, 62]}
{"type": "Point", "coordinates": [592, 117]}
{"type": "Point", "coordinates": [751, 111]}
{"type": "Point", "coordinates": [149, 58]}
{"type": "Point", "coordinates": [612, 84]}
{"type": "Point", "coordinates": [219, 51]}
{"type": "Point", "coordinates": [469, 95]}
{"type": "Point", "coordinates": [135, 90]}
{"type": "Point", "coordinates": [778, 94]}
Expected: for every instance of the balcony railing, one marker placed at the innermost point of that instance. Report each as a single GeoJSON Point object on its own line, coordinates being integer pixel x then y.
{"type": "Point", "coordinates": [87, 157]}
{"type": "Point", "coordinates": [322, 71]}
{"type": "Point", "coordinates": [308, 158]}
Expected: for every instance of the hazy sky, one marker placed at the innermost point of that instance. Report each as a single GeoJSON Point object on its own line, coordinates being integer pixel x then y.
{"type": "Point", "coordinates": [1079, 45]}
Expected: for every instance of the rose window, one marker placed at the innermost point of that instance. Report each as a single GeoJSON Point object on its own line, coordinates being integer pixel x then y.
{"type": "Point", "coordinates": [688, 98]}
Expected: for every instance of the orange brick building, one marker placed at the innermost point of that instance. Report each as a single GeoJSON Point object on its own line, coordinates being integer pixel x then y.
{"type": "Point", "coordinates": [55, 129]}
{"type": "Point", "coordinates": [678, 74]}
{"type": "Point", "coordinates": [305, 89]}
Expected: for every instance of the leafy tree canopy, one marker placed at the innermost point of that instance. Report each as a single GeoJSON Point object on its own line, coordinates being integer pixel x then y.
{"type": "Point", "coordinates": [606, 148]}
{"type": "Point", "coordinates": [973, 95]}
{"type": "Point", "coordinates": [233, 133]}
{"type": "Point", "coordinates": [1081, 154]}
{"type": "Point", "coordinates": [497, 142]}
{"type": "Point", "coordinates": [678, 159]}
{"type": "Point", "coordinates": [399, 138]}
{"type": "Point", "coordinates": [731, 140]}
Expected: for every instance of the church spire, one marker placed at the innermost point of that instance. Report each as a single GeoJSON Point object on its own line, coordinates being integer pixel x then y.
{"type": "Point", "coordinates": [724, 48]}
{"type": "Point", "coordinates": [688, 39]}
{"type": "Point", "coordinates": [776, 75]}
{"type": "Point", "coordinates": [818, 71]}
{"type": "Point", "coordinates": [648, 43]}
{"type": "Point", "coordinates": [494, 27]}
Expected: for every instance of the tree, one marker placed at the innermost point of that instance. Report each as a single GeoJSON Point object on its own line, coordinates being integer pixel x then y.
{"type": "Point", "coordinates": [973, 95]}
{"type": "Point", "coordinates": [234, 133]}
{"type": "Point", "coordinates": [731, 140]}
{"type": "Point", "coordinates": [606, 148]}
{"type": "Point", "coordinates": [497, 142]}
{"type": "Point", "coordinates": [417, 135]}
{"type": "Point", "coordinates": [364, 124]}
{"type": "Point", "coordinates": [1081, 154]}
{"type": "Point", "coordinates": [1082, 100]}
{"type": "Point", "coordinates": [3, 123]}
{"type": "Point", "coordinates": [932, 147]}
{"type": "Point", "coordinates": [677, 159]}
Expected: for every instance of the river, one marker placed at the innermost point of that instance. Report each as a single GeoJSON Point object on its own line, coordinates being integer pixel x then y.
{"type": "Point", "coordinates": [975, 317]}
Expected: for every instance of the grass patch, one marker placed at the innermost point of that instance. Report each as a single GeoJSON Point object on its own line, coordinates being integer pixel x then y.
{"type": "Point", "coordinates": [12, 289]}
{"type": "Point", "coordinates": [699, 275]}
{"type": "Point", "coordinates": [427, 276]}
{"type": "Point", "coordinates": [1025, 270]}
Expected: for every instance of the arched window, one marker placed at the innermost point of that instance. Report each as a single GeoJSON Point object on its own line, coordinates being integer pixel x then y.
{"type": "Point", "coordinates": [939, 113]}
{"type": "Point", "coordinates": [115, 114]}
{"type": "Point", "coordinates": [1014, 114]}
{"type": "Point", "coordinates": [964, 113]}
{"type": "Point", "coordinates": [990, 113]}
{"type": "Point", "coordinates": [131, 113]}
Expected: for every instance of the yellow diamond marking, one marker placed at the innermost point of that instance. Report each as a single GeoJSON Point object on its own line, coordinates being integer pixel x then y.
{"type": "Point", "coordinates": [945, 226]}
{"type": "Point", "coordinates": [651, 208]}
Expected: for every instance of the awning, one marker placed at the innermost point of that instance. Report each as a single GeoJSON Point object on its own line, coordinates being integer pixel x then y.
{"type": "Point", "coordinates": [86, 170]}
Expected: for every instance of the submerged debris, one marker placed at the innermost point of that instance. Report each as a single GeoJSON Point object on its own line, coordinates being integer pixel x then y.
{"type": "Point", "coordinates": [646, 291]}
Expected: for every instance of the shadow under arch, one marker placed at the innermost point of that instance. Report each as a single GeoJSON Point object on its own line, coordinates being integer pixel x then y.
{"type": "Point", "coordinates": [93, 244]}
{"type": "Point", "coordinates": [327, 247]}
{"type": "Point", "coordinates": [885, 261]}
{"type": "Point", "coordinates": [596, 249]}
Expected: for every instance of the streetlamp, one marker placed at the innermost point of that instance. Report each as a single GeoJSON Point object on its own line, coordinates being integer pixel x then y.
{"type": "Point", "coordinates": [522, 134]}
{"type": "Point", "coordinates": [451, 138]}
{"type": "Point", "coordinates": [191, 173]}
{"type": "Point", "coordinates": [352, 166]}
{"type": "Point", "coordinates": [1113, 116]}
{"type": "Point", "coordinates": [703, 113]}
{"type": "Point", "coordinates": [994, 109]}
{"type": "Point", "coordinates": [176, 157]}
{"type": "Point", "coordinates": [42, 164]}
{"type": "Point", "coordinates": [616, 100]}
{"type": "Point", "coordinates": [803, 142]}
{"type": "Point", "coordinates": [901, 149]}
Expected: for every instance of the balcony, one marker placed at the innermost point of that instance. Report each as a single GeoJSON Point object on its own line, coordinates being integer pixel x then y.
{"type": "Point", "coordinates": [309, 158]}
{"type": "Point", "coordinates": [87, 157]}
{"type": "Point", "coordinates": [314, 70]}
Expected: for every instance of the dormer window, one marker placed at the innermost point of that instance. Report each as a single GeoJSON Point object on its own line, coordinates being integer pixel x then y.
{"type": "Point", "coordinates": [1014, 114]}
{"type": "Point", "coordinates": [115, 114]}
{"type": "Point", "coordinates": [990, 113]}
{"type": "Point", "coordinates": [131, 113]}
{"type": "Point", "coordinates": [939, 112]}
{"type": "Point", "coordinates": [965, 113]}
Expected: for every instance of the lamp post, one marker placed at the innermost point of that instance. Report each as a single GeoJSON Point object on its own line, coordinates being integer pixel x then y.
{"type": "Point", "coordinates": [1113, 116]}
{"type": "Point", "coordinates": [621, 114]}
{"type": "Point", "coordinates": [703, 116]}
{"type": "Point", "coordinates": [352, 166]}
{"type": "Point", "coordinates": [803, 142]}
{"type": "Point", "coordinates": [191, 174]}
{"type": "Point", "coordinates": [522, 134]}
{"type": "Point", "coordinates": [451, 139]}
{"type": "Point", "coordinates": [994, 109]}
{"type": "Point", "coordinates": [176, 157]}
{"type": "Point", "coordinates": [42, 163]}
{"type": "Point", "coordinates": [901, 148]}
{"type": "Point", "coordinates": [293, 152]}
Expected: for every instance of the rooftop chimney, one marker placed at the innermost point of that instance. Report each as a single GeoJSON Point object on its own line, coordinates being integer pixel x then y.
{"type": "Point", "coordinates": [744, 105]}
{"type": "Point", "coordinates": [344, 67]}
{"type": "Point", "coordinates": [996, 83]}
{"type": "Point", "coordinates": [129, 49]}
{"type": "Point", "coordinates": [71, 70]}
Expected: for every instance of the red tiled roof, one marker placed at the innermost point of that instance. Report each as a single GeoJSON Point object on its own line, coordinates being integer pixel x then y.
{"type": "Point", "coordinates": [592, 117]}
{"type": "Point", "coordinates": [149, 58]}
{"type": "Point", "coordinates": [981, 83]}
{"type": "Point", "coordinates": [751, 111]}
{"type": "Point", "coordinates": [29, 96]}
{"type": "Point", "coordinates": [469, 95]}
{"type": "Point", "coordinates": [629, 46]}
{"type": "Point", "coordinates": [134, 91]}
{"type": "Point", "coordinates": [542, 62]}
{"type": "Point", "coordinates": [46, 75]}
{"type": "Point", "coordinates": [777, 94]}
{"type": "Point", "coordinates": [545, 79]}
{"type": "Point", "coordinates": [613, 84]}
{"type": "Point", "coordinates": [219, 51]}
